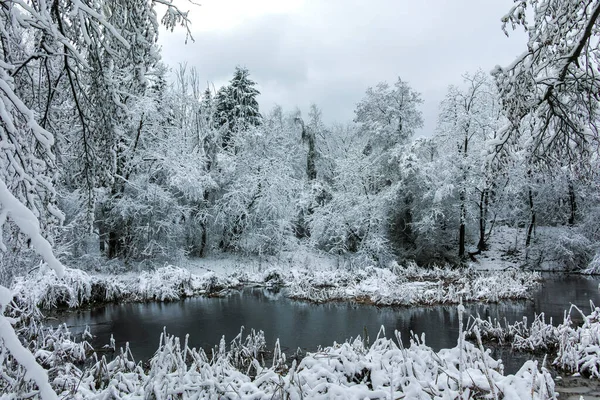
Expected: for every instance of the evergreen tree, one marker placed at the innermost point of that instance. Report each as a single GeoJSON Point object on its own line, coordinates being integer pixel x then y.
{"type": "Point", "coordinates": [237, 107]}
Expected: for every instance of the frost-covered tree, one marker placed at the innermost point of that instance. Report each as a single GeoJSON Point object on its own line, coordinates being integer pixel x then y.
{"type": "Point", "coordinates": [237, 107]}
{"type": "Point", "coordinates": [555, 81]}
{"type": "Point", "coordinates": [117, 86]}
{"type": "Point", "coordinates": [36, 33]}
{"type": "Point", "coordinates": [550, 95]}
{"type": "Point", "coordinates": [389, 114]}
{"type": "Point", "coordinates": [367, 196]}
{"type": "Point", "coordinates": [260, 185]}
{"type": "Point", "coordinates": [89, 60]}
{"type": "Point", "coordinates": [469, 118]}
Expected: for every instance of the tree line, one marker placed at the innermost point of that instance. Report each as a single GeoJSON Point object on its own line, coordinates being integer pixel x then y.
{"type": "Point", "coordinates": [118, 161]}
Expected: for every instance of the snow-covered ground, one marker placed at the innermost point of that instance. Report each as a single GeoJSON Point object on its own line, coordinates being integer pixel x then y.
{"type": "Point", "coordinates": [312, 278]}
{"type": "Point", "coordinates": [553, 248]}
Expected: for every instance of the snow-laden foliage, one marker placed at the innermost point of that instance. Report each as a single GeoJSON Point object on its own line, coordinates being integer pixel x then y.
{"type": "Point", "coordinates": [387, 287]}
{"type": "Point", "coordinates": [47, 290]}
{"type": "Point", "coordinates": [383, 286]}
{"type": "Point", "coordinates": [522, 335]}
{"type": "Point", "coordinates": [469, 118]}
{"type": "Point", "coordinates": [56, 349]}
{"type": "Point", "coordinates": [352, 370]}
{"type": "Point", "coordinates": [579, 346]}
{"type": "Point", "coordinates": [555, 81]}
{"type": "Point", "coordinates": [257, 211]}
{"type": "Point", "coordinates": [594, 266]}
{"type": "Point", "coordinates": [237, 108]}
{"type": "Point", "coordinates": [565, 246]}
{"type": "Point", "coordinates": [576, 341]}
{"type": "Point", "coordinates": [368, 193]}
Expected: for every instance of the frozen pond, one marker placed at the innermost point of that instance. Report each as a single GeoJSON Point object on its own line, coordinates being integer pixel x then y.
{"type": "Point", "coordinates": [303, 325]}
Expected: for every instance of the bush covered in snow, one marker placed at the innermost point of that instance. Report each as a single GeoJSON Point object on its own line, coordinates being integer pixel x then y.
{"type": "Point", "coordinates": [560, 248]}
{"type": "Point", "coordinates": [594, 266]}
{"type": "Point", "coordinates": [77, 287]}
{"type": "Point", "coordinates": [45, 289]}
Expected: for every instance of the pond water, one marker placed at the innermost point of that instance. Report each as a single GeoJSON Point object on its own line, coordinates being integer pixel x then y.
{"type": "Point", "coordinates": [304, 325]}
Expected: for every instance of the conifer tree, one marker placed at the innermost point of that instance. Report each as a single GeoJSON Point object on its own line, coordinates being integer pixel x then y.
{"type": "Point", "coordinates": [237, 107]}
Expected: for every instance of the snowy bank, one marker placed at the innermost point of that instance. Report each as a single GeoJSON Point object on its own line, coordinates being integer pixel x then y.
{"type": "Point", "coordinates": [382, 286]}
{"type": "Point", "coordinates": [78, 288]}
{"type": "Point", "coordinates": [412, 286]}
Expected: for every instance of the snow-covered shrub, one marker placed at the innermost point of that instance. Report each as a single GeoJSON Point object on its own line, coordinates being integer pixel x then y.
{"type": "Point", "coordinates": [579, 347]}
{"type": "Point", "coordinates": [165, 283]}
{"type": "Point", "coordinates": [244, 353]}
{"type": "Point", "coordinates": [45, 289]}
{"type": "Point", "coordinates": [56, 346]}
{"type": "Point", "coordinates": [383, 286]}
{"type": "Point", "coordinates": [594, 266]}
{"type": "Point", "coordinates": [273, 277]}
{"type": "Point", "coordinates": [537, 336]}
{"type": "Point", "coordinates": [562, 247]}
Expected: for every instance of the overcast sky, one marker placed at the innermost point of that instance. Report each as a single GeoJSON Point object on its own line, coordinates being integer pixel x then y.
{"type": "Point", "coordinates": [328, 52]}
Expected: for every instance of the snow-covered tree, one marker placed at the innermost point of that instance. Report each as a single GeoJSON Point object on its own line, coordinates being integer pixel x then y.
{"type": "Point", "coordinates": [237, 107]}
{"type": "Point", "coordinates": [367, 196]}
{"type": "Point", "coordinates": [260, 185]}
{"type": "Point", "coordinates": [556, 80]}
{"type": "Point", "coordinates": [469, 119]}
{"type": "Point", "coordinates": [55, 33]}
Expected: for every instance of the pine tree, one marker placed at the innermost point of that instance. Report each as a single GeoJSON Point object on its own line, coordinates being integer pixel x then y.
{"type": "Point", "coordinates": [237, 107]}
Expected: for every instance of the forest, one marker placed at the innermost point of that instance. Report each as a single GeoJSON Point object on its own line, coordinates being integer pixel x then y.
{"type": "Point", "coordinates": [112, 162]}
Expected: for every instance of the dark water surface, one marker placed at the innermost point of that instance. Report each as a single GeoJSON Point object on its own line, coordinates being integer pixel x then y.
{"type": "Point", "coordinates": [303, 325]}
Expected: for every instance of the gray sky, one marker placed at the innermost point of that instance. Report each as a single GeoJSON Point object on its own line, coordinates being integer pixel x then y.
{"type": "Point", "coordinates": [329, 52]}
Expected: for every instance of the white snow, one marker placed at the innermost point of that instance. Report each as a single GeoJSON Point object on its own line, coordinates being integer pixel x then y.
{"type": "Point", "coordinates": [29, 225]}
{"type": "Point", "coordinates": [346, 371]}
{"type": "Point", "coordinates": [396, 285]}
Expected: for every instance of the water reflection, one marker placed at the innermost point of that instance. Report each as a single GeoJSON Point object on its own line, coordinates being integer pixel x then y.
{"type": "Point", "coordinates": [303, 325]}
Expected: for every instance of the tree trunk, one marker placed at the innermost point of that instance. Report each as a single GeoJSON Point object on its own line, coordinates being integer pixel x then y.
{"type": "Point", "coordinates": [113, 244]}
{"type": "Point", "coordinates": [461, 230]}
{"type": "Point", "coordinates": [202, 240]}
{"type": "Point", "coordinates": [531, 221]}
{"type": "Point", "coordinates": [483, 209]}
{"type": "Point", "coordinates": [572, 204]}
{"type": "Point", "coordinates": [463, 199]}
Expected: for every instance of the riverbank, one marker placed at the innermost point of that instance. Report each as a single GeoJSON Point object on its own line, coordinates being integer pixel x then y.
{"type": "Point", "coordinates": [398, 286]}
{"type": "Point", "coordinates": [394, 286]}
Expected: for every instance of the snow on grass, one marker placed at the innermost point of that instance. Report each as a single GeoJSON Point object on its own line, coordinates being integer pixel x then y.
{"type": "Point", "coordinates": [412, 286]}
{"type": "Point", "coordinates": [575, 347]}
{"type": "Point", "coordinates": [77, 288]}
{"type": "Point", "coordinates": [45, 289]}
{"type": "Point", "coordinates": [385, 369]}
{"type": "Point", "coordinates": [396, 285]}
